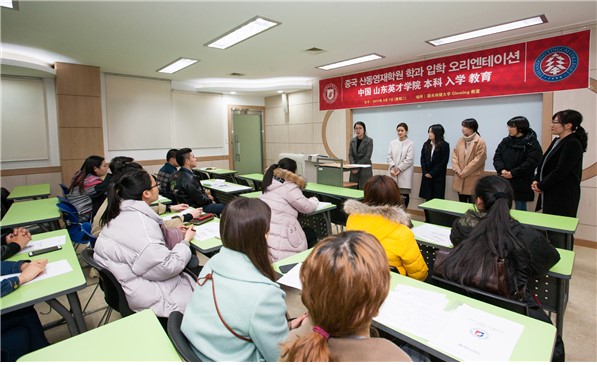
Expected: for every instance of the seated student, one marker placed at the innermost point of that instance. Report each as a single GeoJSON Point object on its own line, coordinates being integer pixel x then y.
{"type": "Point", "coordinates": [101, 189]}
{"type": "Point", "coordinates": [187, 189]}
{"type": "Point", "coordinates": [22, 331]}
{"type": "Point", "coordinates": [14, 241]}
{"type": "Point", "coordinates": [132, 246]}
{"type": "Point", "coordinates": [82, 192]}
{"type": "Point", "coordinates": [237, 312]}
{"type": "Point", "coordinates": [382, 214]}
{"type": "Point", "coordinates": [159, 208]}
{"type": "Point", "coordinates": [283, 191]}
{"type": "Point", "coordinates": [345, 281]}
{"type": "Point", "coordinates": [166, 171]}
{"type": "Point", "coordinates": [481, 237]}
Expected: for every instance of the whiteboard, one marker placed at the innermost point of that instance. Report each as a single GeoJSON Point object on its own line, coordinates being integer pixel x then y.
{"type": "Point", "coordinates": [491, 114]}
{"type": "Point", "coordinates": [198, 120]}
{"type": "Point", "coordinates": [24, 123]}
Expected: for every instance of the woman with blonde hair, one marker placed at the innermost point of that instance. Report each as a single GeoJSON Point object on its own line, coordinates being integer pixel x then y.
{"type": "Point", "coordinates": [345, 280]}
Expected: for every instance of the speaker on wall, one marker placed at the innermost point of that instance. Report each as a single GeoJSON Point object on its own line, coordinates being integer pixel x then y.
{"type": "Point", "coordinates": [285, 103]}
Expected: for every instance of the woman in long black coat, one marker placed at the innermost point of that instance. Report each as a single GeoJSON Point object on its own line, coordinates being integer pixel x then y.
{"type": "Point", "coordinates": [516, 159]}
{"type": "Point", "coordinates": [434, 162]}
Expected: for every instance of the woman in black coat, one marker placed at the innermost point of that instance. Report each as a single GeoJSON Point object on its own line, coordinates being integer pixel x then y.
{"type": "Point", "coordinates": [516, 159]}
{"type": "Point", "coordinates": [559, 173]}
{"type": "Point", "coordinates": [434, 162]}
{"type": "Point", "coordinates": [359, 152]}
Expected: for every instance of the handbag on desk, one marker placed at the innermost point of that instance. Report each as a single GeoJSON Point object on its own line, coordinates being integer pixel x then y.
{"type": "Point", "coordinates": [498, 278]}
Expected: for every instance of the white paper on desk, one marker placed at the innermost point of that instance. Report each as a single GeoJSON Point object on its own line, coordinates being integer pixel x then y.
{"type": "Point", "coordinates": [52, 269]}
{"type": "Point", "coordinates": [433, 233]}
{"type": "Point", "coordinates": [323, 205]}
{"type": "Point", "coordinates": [420, 312]}
{"type": "Point", "coordinates": [474, 335]}
{"type": "Point", "coordinates": [291, 278]}
{"type": "Point", "coordinates": [207, 230]}
{"type": "Point", "coordinates": [44, 243]}
{"type": "Point", "coordinates": [179, 214]}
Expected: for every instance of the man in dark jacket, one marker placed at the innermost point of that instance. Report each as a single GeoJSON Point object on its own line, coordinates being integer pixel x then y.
{"type": "Point", "coordinates": [516, 159]}
{"type": "Point", "coordinates": [187, 189]}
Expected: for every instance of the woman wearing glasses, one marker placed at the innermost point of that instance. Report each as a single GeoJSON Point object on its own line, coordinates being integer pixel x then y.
{"type": "Point", "coordinates": [559, 172]}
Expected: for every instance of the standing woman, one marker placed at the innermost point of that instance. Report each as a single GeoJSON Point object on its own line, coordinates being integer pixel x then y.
{"type": "Point", "coordinates": [82, 192]}
{"type": "Point", "coordinates": [559, 173]}
{"type": "Point", "coordinates": [516, 159]}
{"type": "Point", "coordinates": [401, 155]}
{"type": "Point", "coordinates": [560, 169]}
{"type": "Point", "coordinates": [345, 281]}
{"type": "Point", "coordinates": [282, 190]}
{"type": "Point", "coordinates": [238, 312]}
{"type": "Point", "coordinates": [468, 160]}
{"type": "Point", "coordinates": [132, 246]}
{"type": "Point", "coordinates": [359, 152]}
{"type": "Point", "coordinates": [434, 161]}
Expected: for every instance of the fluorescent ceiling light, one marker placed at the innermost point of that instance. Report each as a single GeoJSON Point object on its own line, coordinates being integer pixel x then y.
{"type": "Point", "coordinates": [244, 31]}
{"type": "Point", "coordinates": [352, 61]}
{"type": "Point", "coordinates": [11, 4]}
{"type": "Point", "coordinates": [491, 30]}
{"type": "Point", "coordinates": [177, 65]}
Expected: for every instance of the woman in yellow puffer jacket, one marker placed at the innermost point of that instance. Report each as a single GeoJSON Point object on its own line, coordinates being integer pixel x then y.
{"type": "Point", "coordinates": [382, 215]}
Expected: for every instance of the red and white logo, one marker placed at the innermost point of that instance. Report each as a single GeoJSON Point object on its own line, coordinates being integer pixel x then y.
{"type": "Point", "coordinates": [330, 93]}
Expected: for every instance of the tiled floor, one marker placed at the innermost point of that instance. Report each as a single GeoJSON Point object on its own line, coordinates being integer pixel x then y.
{"type": "Point", "coordinates": [580, 321]}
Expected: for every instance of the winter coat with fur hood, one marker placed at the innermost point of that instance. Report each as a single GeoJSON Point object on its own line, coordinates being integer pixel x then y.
{"type": "Point", "coordinates": [285, 198]}
{"type": "Point", "coordinates": [390, 225]}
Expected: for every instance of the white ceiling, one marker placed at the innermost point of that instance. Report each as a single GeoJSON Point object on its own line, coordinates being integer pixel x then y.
{"type": "Point", "coordinates": [138, 37]}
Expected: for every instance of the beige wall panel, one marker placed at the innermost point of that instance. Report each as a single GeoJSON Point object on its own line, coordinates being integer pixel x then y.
{"type": "Point", "coordinates": [69, 167]}
{"type": "Point", "coordinates": [316, 138]}
{"type": "Point", "coordinates": [300, 133]}
{"type": "Point", "coordinates": [274, 116]}
{"type": "Point", "coordinates": [79, 111]}
{"type": "Point", "coordinates": [53, 179]}
{"type": "Point", "coordinates": [77, 79]}
{"type": "Point", "coordinates": [301, 97]}
{"type": "Point", "coordinates": [586, 210]}
{"type": "Point", "coordinates": [10, 182]}
{"type": "Point", "coordinates": [277, 133]}
{"type": "Point", "coordinates": [300, 114]}
{"type": "Point", "coordinates": [586, 232]}
{"type": "Point", "coordinates": [78, 143]}
{"type": "Point", "coordinates": [273, 102]}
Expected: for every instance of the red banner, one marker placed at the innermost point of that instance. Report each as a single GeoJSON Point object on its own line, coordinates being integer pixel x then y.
{"type": "Point", "coordinates": [557, 63]}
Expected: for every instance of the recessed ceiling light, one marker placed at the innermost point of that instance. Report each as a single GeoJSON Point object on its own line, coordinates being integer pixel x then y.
{"type": "Point", "coordinates": [352, 61]}
{"type": "Point", "coordinates": [490, 30]}
{"type": "Point", "coordinates": [177, 65]}
{"type": "Point", "coordinates": [280, 92]}
{"type": "Point", "coordinates": [233, 92]}
{"type": "Point", "coordinates": [242, 32]}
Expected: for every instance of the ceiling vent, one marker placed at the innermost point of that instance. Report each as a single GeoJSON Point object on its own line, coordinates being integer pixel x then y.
{"type": "Point", "coordinates": [314, 51]}
{"type": "Point", "coordinates": [236, 74]}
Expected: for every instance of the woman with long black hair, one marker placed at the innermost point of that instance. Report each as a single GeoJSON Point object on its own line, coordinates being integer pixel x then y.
{"type": "Point", "coordinates": [434, 161]}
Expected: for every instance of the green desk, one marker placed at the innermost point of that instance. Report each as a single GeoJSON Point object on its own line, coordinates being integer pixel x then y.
{"type": "Point", "coordinates": [216, 173]}
{"type": "Point", "coordinates": [37, 191]}
{"type": "Point", "coordinates": [335, 191]}
{"type": "Point", "coordinates": [49, 289]}
{"type": "Point", "coordinates": [162, 200]}
{"type": "Point", "coordinates": [225, 186]}
{"type": "Point", "coordinates": [207, 247]}
{"type": "Point", "coordinates": [535, 343]}
{"type": "Point", "coordinates": [138, 337]}
{"type": "Point", "coordinates": [252, 177]}
{"type": "Point", "coordinates": [547, 222]}
{"type": "Point", "coordinates": [29, 212]}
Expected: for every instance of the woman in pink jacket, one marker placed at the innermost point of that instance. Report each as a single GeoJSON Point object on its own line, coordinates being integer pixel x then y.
{"type": "Point", "coordinates": [283, 191]}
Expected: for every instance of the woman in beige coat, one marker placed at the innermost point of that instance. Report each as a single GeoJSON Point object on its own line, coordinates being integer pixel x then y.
{"type": "Point", "coordinates": [468, 160]}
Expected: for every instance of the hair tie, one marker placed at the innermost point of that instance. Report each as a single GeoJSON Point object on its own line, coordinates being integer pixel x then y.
{"type": "Point", "coordinates": [322, 332]}
{"type": "Point", "coordinates": [500, 195]}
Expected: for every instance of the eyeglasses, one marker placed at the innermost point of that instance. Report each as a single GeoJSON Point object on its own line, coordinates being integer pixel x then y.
{"type": "Point", "coordinates": [555, 122]}
{"type": "Point", "coordinates": [154, 186]}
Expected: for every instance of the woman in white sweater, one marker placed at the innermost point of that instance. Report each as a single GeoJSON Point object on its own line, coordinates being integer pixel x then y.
{"type": "Point", "coordinates": [401, 154]}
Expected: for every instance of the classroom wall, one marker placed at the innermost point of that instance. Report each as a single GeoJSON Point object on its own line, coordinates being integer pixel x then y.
{"type": "Point", "coordinates": [305, 129]}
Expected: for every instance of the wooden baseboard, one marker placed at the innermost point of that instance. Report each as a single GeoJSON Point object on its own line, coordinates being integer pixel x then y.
{"type": "Point", "coordinates": [585, 243]}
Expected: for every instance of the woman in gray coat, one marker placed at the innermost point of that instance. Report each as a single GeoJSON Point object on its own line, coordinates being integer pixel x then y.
{"type": "Point", "coordinates": [359, 152]}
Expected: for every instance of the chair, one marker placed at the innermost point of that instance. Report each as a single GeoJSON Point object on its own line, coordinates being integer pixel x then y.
{"type": "Point", "coordinates": [337, 216]}
{"type": "Point", "coordinates": [113, 293]}
{"type": "Point", "coordinates": [73, 226]}
{"type": "Point", "coordinates": [493, 299]}
{"type": "Point", "coordinates": [201, 175]}
{"type": "Point", "coordinates": [64, 189]}
{"type": "Point", "coordinates": [179, 340]}
{"type": "Point", "coordinates": [86, 228]}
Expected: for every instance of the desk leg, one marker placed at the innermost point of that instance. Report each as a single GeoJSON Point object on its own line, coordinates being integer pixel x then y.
{"type": "Point", "coordinates": [328, 222]}
{"type": "Point", "coordinates": [75, 308]}
{"type": "Point", "coordinates": [561, 305]}
{"type": "Point", "coordinates": [68, 317]}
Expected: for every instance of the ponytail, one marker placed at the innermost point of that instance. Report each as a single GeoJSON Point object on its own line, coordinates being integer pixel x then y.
{"type": "Point", "coordinates": [130, 186]}
{"type": "Point", "coordinates": [267, 178]}
{"type": "Point", "coordinates": [113, 208]}
{"type": "Point", "coordinates": [582, 136]}
{"type": "Point", "coordinates": [309, 348]}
